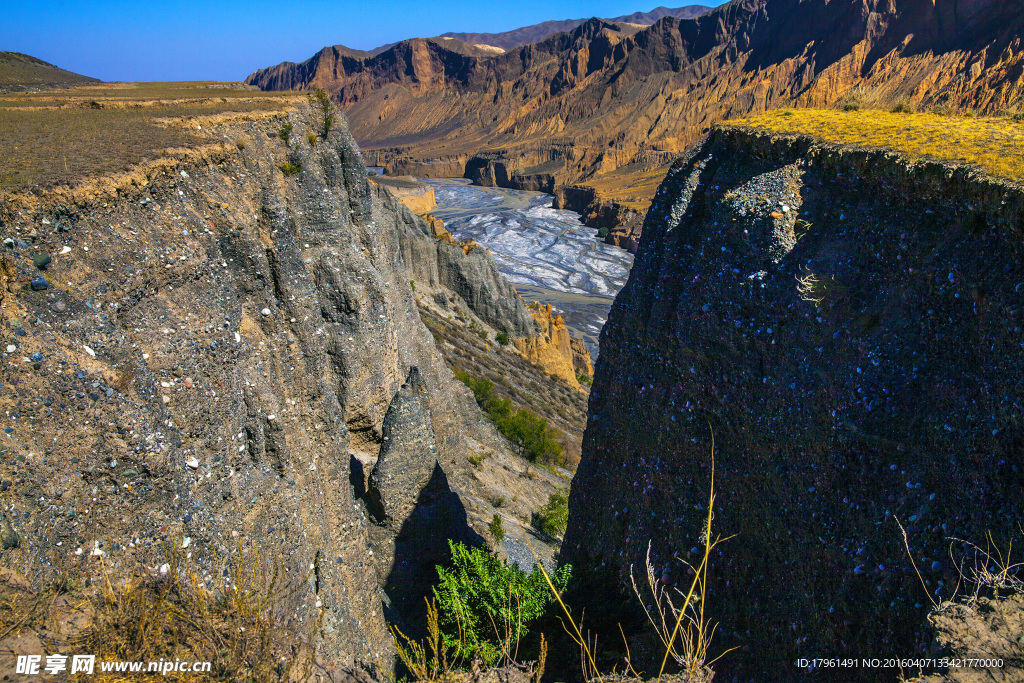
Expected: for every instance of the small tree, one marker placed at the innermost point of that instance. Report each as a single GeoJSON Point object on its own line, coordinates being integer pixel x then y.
{"type": "Point", "coordinates": [323, 110]}
{"type": "Point", "coordinates": [497, 530]}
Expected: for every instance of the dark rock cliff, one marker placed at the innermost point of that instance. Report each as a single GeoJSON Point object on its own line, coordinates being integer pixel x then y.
{"type": "Point", "coordinates": [850, 326]}
{"type": "Point", "coordinates": [218, 355]}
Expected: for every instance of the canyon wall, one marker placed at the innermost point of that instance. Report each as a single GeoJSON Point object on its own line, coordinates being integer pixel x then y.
{"type": "Point", "coordinates": [849, 325]}
{"type": "Point", "coordinates": [212, 362]}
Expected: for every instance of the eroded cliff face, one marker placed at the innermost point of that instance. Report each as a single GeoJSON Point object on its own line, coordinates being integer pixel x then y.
{"type": "Point", "coordinates": [849, 325]}
{"type": "Point", "coordinates": [215, 359]}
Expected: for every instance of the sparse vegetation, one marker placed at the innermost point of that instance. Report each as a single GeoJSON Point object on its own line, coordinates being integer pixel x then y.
{"type": "Point", "coordinates": [528, 432]}
{"type": "Point", "coordinates": [585, 380]}
{"type": "Point", "coordinates": [553, 517]}
{"type": "Point", "coordinates": [290, 169]}
{"type": "Point", "coordinates": [323, 111]}
{"type": "Point", "coordinates": [903, 108]}
{"type": "Point", "coordinates": [285, 132]}
{"type": "Point", "coordinates": [311, 139]}
{"type": "Point", "coordinates": [602, 232]}
{"type": "Point", "coordinates": [496, 529]}
{"type": "Point", "coordinates": [851, 106]}
{"type": "Point", "coordinates": [486, 606]}
{"type": "Point", "coordinates": [502, 338]}
{"type": "Point", "coordinates": [995, 144]}
{"type": "Point", "coordinates": [171, 615]}
{"type": "Point", "coordinates": [61, 137]}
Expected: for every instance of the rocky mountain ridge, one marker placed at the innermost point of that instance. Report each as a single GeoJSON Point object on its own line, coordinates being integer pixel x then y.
{"type": "Point", "coordinates": [846, 323]}
{"type": "Point", "coordinates": [609, 107]}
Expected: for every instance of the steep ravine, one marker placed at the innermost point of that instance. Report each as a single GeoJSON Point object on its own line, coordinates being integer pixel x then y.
{"type": "Point", "coordinates": [213, 361]}
{"type": "Point", "coordinates": [849, 324]}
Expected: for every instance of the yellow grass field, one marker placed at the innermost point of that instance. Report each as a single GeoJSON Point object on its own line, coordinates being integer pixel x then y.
{"type": "Point", "coordinates": [993, 144]}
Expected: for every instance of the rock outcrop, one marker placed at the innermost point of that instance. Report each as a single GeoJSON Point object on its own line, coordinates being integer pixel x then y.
{"type": "Point", "coordinates": [417, 196]}
{"type": "Point", "coordinates": [615, 104]}
{"type": "Point", "coordinates": [212, 359]}
{"type": "Point", "coordinates": [553, 349]}
{"type": "Point", "coordinates": [848, 324]}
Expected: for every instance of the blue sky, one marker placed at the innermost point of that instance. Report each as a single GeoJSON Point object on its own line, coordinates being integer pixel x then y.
{"type": "Point", "coordinates": [160, 40]}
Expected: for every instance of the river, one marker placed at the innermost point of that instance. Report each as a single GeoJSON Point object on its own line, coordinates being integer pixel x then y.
{"type": "Point", "coordinates": [546, 253]}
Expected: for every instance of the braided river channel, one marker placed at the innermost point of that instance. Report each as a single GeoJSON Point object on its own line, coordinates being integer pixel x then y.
{"type": "Point", "coordinates": [546, 253]}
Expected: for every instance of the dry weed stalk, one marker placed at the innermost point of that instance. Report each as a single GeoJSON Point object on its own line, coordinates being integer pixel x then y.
{"type": "Point", "coordinates": [688, 648]}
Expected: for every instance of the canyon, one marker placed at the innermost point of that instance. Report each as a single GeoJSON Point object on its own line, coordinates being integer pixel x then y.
{"type": "Point", "coordinates": [609, 105]}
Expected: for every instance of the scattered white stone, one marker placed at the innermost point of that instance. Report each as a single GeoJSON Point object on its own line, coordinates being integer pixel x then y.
{"type": "Point", "coordinates": [164, 568]}
{"type": "Point", "coordinates": [265, 311]}
{"type": "Point", "coordinates": [186, 542]}
{"type": "Point", "coordinates": [145, 356]}
{"type": "Point", "coordinates": [238, 338]}
{"type": "Point", "coordinates": [11, 348]}
{"type": "Point", "coordinates": [89, 351]}
{"type": "Point", "coordinates": [271, 417]}
{"type": "Point", "coordinates": [66, 250]}
{"type": "Point", "coordinates": [166, 399]}
{"type": "Point", "coordinates": [192, 462]}
{"type": "Point", "coordinates": [183, 174]}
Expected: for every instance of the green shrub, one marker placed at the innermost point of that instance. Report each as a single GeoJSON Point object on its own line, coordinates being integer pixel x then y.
{"type": "Point", "coordinates": [285, 133]}
{"type": "Point", "coordinates": [584, 380]}
{"type": "Point", "coordinates": [502, 338]}
{"type": "Point", "coordinates": [553, 517]}
{"type": "Point", "coordinates": [323, 111]}
{"type": "Point", "coordinates": [529, 433]}
{"type": "Point", "coordinates": [311, 139]}
{"type": "Point", "coordinates": [851, 106]}
{"type": "Point", "coordinates": [484, 602]}
{"type": "Point", "coordinates": [903, 108]}
{"type": "Point", "coordinates": [1019, 117]}
{"type": "Point", "coordinates": [603, 232]}
{"type": "Point", "coordinates": [290, 169]}
{"type": "Point", "coordinates": [497, 530]}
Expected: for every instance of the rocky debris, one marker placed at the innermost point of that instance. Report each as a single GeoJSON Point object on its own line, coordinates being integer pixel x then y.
{"type": "Point", "coordinates": [985, 629]}
{"type": "Point", "coordinates": [208, 351]}
{"type": "Point", "coordinates": [848, 323]}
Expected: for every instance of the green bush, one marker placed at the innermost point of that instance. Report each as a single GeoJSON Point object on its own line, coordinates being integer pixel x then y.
{"type": "Point", "coordinates": [285, 133]}
{"type": "Point", "coordinates": [583, 379]}
{"type": "Point", "coordinates": [502, 338]}
{"type": "Point", "coordinates": [323, 111]}
{"type": "Point", "coordinates": [497, 530]}
{"type": "Point", "coordinates": [851, 106]}
{"type": "Point", "coordinates": [531, 434]}
{"type": "Point", "coordinates": [289, 168]}
{"type": "Point", "coordinates": [311, 139]}
{"type": "Point", "coordinates": [1019, 117]}
{"type": "Point", "coordinates": [553, 517]}
{"type": "Point", "coordinates": [484, 602]}
{"type": "Point", "coordinates": [903, 108]}
{"type": "Point", "coordinates": [603, 232]}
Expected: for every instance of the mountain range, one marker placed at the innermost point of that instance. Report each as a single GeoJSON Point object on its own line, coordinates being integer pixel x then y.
{"type": "Point", "coordinates": [610, 104]}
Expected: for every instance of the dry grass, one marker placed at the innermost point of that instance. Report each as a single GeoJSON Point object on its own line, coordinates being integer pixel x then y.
{"type": "Point", "coordinates": [238, 628]}
{"type": "Point", "coordinates": [64, 137]}
{"type": "Point", "coordinates": [994, 144]}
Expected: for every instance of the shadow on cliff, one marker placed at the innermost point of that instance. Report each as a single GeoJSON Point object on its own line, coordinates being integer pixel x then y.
{"type": "Point", "coordinates": [420, 545]}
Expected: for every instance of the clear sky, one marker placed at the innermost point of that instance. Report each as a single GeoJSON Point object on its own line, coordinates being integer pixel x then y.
{"type": "Point", "coordinates": [161, 40]}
